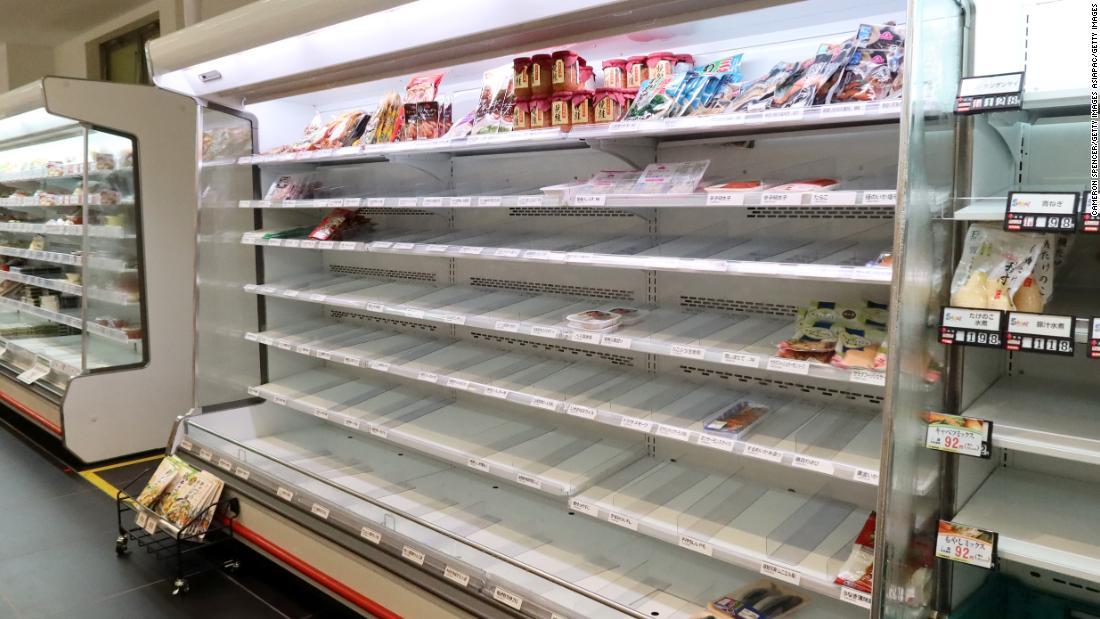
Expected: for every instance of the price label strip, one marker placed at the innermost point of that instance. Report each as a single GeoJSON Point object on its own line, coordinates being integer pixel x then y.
{"type": "Point", "coordinates": [961, 326]}
{"type": "Point", "coordinates": [968, 436]}
{"type": "Point", "coordinates": [1041, 212]}
{"type": "Point", "coordinates": [990, 93]}
{"type": "Point", "coordinates": [1041, 333]}
{"type": "Point", "coordinates": [970, 545]}
{"type": "Point", "coordinates": [1094, 339]}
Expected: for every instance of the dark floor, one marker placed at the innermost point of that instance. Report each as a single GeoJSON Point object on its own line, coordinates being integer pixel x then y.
{"type": "Point", "coordinates": [57, 556]}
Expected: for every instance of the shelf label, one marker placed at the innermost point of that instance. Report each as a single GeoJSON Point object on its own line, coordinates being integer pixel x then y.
{"type": "Point", "coordinates": [781, 572]}
{"type": "Point", "coordinates": [866, 476]}
{"type": "Point", "coordinates": [428, 377]}
{"type": "Point", "coordinates": [506, 326]}
{"type": "Point", "coordinates": [960, 326]}
{"type": "Point", "coordinates": [186, 444]}
{"type": "Point", "coordinates": [353, 423]}
{"type": "Point", "coordinates": [695, 545]}
{"type": "Point", "coordinates": [470, 251]}
{"type": "Point", "coordinates": [855, 596]}
{"type": "Point", "coordinates": [477, 463]}
{"type": "Point", "coordinates": [545, 403]}
{"type": "Point", "coordinates": [281, 400]}
{"type": "Point", "coordinates": [790, 366]}
{"type": "Point", "coordinates": [318, 298]}
{"type": "Point", "coordinates": [151, 525]}
{"type": "Point", "coordinates": [430, 202]}
{"type": "Point", "coordinates": [1041, 212]}
{"type": "Point", "coordinates": [458, 383]}
{"type": "Point", "coordinates": [320, 511]}
{"type": "Point", "coordinates": [461, 201]}
{"type": "Point", "coordinates": [284, 494]}
{"type": "Point", "coordinates": [716, 442]}
{"type": "Point", "coordinates": [243, 473]}
{"type": "Point", "coordinates": [1042, 333]}
{"type": "Point", "coordinates": [1094, 339]}
{"type": "Point", "coordinates": [813, 464]}
{"type": "Point", "coordinates": [206, 454]}
{"type": "Point", "coordinates": [496, 392]}
{"type": "Point", "coordinates": [437, 248]}
{"type": "Point", "coordinates": [348, 245]}
{"type": "Point", "coordinates": [348, 202]}
{"type": "Point", "coordinates": [868, 377]}
{"type": "Point", "coordinates": [551, 332]}
{"type": "Point", "coordinates": [378, 431]}
{"type": "Point", "coordinates": [225, 464]}
{"type": "Point", "coordinates": [962, 435]}
{"type": "Point", "coordinates": [37, 371]}
{"type": "Point", "coordinates": [623, 521]}
{"type": "Point", "coordinates": [780, 198]}
{"type": "Point", "coordinates": [590, 200]}
{"type": "Point", "coordinates": [584, 412]}
{"type": "Point", "coordinates": [370, 535]}
{"type": "Point", "coordinates": [536, 254]}
{"type": "Point", "coordinates": [377, 202]}
{"type": "Point", "coordinates": [763, 453]}
{"type": "Point", "coordinates": [880, 198]}
{"type": "Point", "coordinates": [326, 244]}
{"type": "Point", "coordinates": [725, 199]}
{"type": "Point", "coordinates": [633, 423]}
{"type": "Point", "coordinates": [456, 576]}
{"type": "Point", "coordinates": [292, 243]}
{"type": "Point", "coordinates": [507, 598]}
{"type": "Point", "coordinates": [833, 198]}
{"type": "Point", "coordinates": [687, 352]}
{"type": "Point", "coordinates": [379, 366]}
{"type": "Point", "coordinates": [489, 201]}
{"type": "Point", "coordinates": [320, 413]}
{"type": "Point", "coordinates": [507, 252]}
{"type": "Point", "coordinates": [693, 264]}
{"type": "Point", "coordinates": [528, 480]}
{"type": "Point", "coordinates": [452, 319]}
{"type": "Point", "coordinates": [529, 201]}
{"type": "Point", "coordinates": [987, 93]}
{"type": "Point", "coordinates": [616, 341]}
{"type": "Point", "coordinates": [377, 308]}
{"type": "Point", "coordinates": [742, 359]}
{"type": "Point", "coordinates": [584, 507]}
{"type": "Point", "coordinates": [680, 434]}
{"type": "Point", "coordinates": [971, 545]}
{"type": "Point", "coordinates": [404, 246]}
{"type": "Point", "coordinates": [406, 202]}
{"type": "Point", "coordinates": [413, 555]}
{"type": "Point", "coordinates": [353, 360]}
{"type": "Point", "coordinates": [308, 244]}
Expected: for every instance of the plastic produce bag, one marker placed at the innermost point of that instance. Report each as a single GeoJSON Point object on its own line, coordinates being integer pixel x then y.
{"type": "Point", "coordinates": [995, 265]}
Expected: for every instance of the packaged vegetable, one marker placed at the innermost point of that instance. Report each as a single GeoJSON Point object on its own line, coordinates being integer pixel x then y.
{"type": "Point", "coordinates": [736, 419]}
{"type": "Point", "coordinates": [165, 474]}
{"type": "Point", "coordinates": [1028, 298]}
{"type": "Point", "coordinates": [763, 599]}
{"type": "Point", "coordinates": [995, 264]}
{"type": "Point", "coordinates": [857, 571]}
{"type": "Point", "coordinates": [422, 88]}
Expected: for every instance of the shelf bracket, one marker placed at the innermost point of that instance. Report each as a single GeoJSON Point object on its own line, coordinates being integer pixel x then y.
{"type": "Point", "coordinates": [636, 152]}
{"type": "Point", "coordinates": [435, 165]}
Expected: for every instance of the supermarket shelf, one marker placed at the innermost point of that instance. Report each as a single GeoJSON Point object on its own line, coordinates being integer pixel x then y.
{"type": "Point", "coordinates": [619, 565]}
{"type": "Point", "coordinates": [740, 341]}
{"type": "Point", "coordinates": [1043, 521]}
{"type": "Point", "coordinates": [1026, 419]}
{"type": "Point", "coordinates": [62, 354]}
{"type": "Point", "coordinates": [117, 297]}
{"type": "Point", "coordinates": [878, 198]}
{"type": "Point", "coordinates": [829, 440]}
{"type": "Point", "coordinates": [1048, 103]}
{"type": "Point", "coordinates": [69, 172]}
{"type": "Point", "coordinates": [832, 260]}
{"type": "Point", "coordinates": [731, 518]}
{"type": "Point", "coordinates": [554, 138]}
{"type": "Point", "coordinates": [548, 459]}
{"type": "Point", "coordinates": [69, 319]}
{"type": "Point", "coordinates": [102, 263]}
{"type": "Point", "coordinates": [31, 202]}
{"type": "Point", "coordinates": [990, 208]}
{"type": "Point", "coordinates": [109, 232]}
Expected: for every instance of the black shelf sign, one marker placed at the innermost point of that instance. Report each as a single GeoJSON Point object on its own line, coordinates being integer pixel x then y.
{"type": "Point", "coordinates": [963, 326]}
{"type": "Point", "coordinates": [1094, 338]}
{"type": "Point", "coordinates": [1042, 333]}
{"type": "Point", "coordinates": [990, 93]}
{"type": "Point", "coordinates": [1041, 212]}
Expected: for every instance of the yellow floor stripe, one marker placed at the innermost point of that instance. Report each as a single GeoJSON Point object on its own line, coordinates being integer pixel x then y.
{"type": "Point", "coordinates": [118, 465]}
{"type": "Point", "coordinates": [97, 481]}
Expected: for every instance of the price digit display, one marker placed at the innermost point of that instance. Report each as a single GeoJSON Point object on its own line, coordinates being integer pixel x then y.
{"type": "Point", "coordinates": [961, 326]}
{"type": "Point", "coordinates": [1041, 333]}
{"type": "Point", "coordinates": [962, 435]}
{"type": "Point", "coordinates": [988, 93]}
{"type": "Point", "coordinates": [965, 544]}
{"type": "Point", "coordinates": [1041, 212]}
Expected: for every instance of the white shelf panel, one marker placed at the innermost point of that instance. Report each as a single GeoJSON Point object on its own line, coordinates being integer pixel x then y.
{"type": "Point", "coordinates": [832, 260]}
{"type": "Point", "coordinates": [68, 318]}
{"type": "Point", "coordinates": [63, 354]}
{"type": "Point", "coordinates": [829, 440]}
{"type": "Point", "coordinates": [737, 341]}
{"type": "Point", "coordinates": [537, 455]}
{"type": "Point", "coordinates": [616, 564]}
{"type": "Point", "coordinates": [1043, 521]}
{"type": "Point", "coordinates": [107, 232]}
{"type": "Point", "coordinates": [778, 200]}
{"type": "Point", "coordinates": [546, 139]}
{"type": "Point", "coordinates": [730, 518]}
{"type": "Point", "coordinates": [1038, 415]}
{"type": "Point", "coordinates": [73, 171]}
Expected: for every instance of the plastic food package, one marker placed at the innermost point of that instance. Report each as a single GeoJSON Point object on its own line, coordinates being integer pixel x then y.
{"type": "Point", "coordinates": [338, 224]}
{"type": "Point", "coordinates": [866, 78]}
{"type": "Point", "coordinates": [858, 347]}
{"type": "Point", "coordinates": [811, 85]}
{"type": "Point", "coordinates": [816, 332]}
{"type": "Point", "coordinates": [764, 599]}
{"type": "Point", "coordinates": [656, 97]}
{"type": "Point", "coordinates": [736, 419]}
{"type": "Point", "coordinates": [994, 266]}
{"type": "Point", "coordinates": [857, 571]}
{"type": "Point", "coordinates": [730, 65]}
{"type": "Point", "coordinates": [736, 186]}
{"type": "Point", "coordinates": [293, 187]}
{"type": "Point", "coordinates": [594, 320]}
{"type": "Point", "coordinates": [495, 103]}
{"type": "Point", "coordinates": [682, 177]}
{"type": "Point", "coordinates": [423, 88]}
{"type": "Point", "coordinates": [816, 184]}
{"type": "Point", "coordinates": [629, 315]}
{"type": "Point", "coordinates": [166, 473]}
{"type": "Point", "coordinates": [757, 94]}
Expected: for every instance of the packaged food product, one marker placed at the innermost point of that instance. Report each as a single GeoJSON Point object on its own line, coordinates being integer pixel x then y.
{"type": "Point", "coordinates": [496, 102]}
{"type": "Point", "coordinates": [408, 131]}
{"type": "Point", "coordinates": [520, 118]}
{"type": "Point", "coordinates": [757, 94]}
{"type": "Point", "coordinates": [338, 224]}
{"type": "Point", "coordinates": [815, 184]}
{"type": "Point", "coordinates": [293, 187]}
{"type": "Point", "coordinates": [858, 346]}
{"type": "Point", "coordinates": [636, 71]}
{"type": "Point", "coordinates": [580, 106]}
{"type": "Point", "coordinates": [884, 259]}
{"type": "Point", "coordinates": [542, 69]}
{"type": "Point", "coordinates": [656, 97]}
{"type": "Point", "coordinates": [427, 120]}
{"type": "Point", "coordinates": [561, 113]}
{"type": "Point", "coordinates": [681, 177]}
{"type": "Point", "coordinates": [613, 181]}
{"type": "Point", "coordinates": [867, 77]}
{"type": "Point", "coordinates": [629, 315]}
{"type": "Point", "coordinates": [103, 161]}
{"type": "Point", "coordinates": [386, 122]}
{"type": "Point", "coordinates": [608, 105]}
{"type": "Point", "coordinates": [422, 88]}
{"type": "Point", "coordinates": [539, 112]}
{"type": "Point", "coordinates": [857, 571]}
{"type": "Point", "coordinates": [165, 473]}
{"type": "Point", "coordinates": [566, 74]}
{"type": "Point", "coordinates": [342, 130]}
{"type": "Point", "coordinates": [660, 64]}
{"type": "Point", "coordinates": [594, 320]}
{"type": "Point", "coordinates": [736, 186]}
{"type": "Point", "coordinates": [614, 73]}
{"type": "Point", "coordinates": [811, 85]}
{"type": "Point", "coordinates": [764, 599]}
{"type": "Point", "coordinates": [521, 78]}
{"type": "Point", "coordinates": [995, 264]}
{"type": "Point", "coordinates": [736, 419]}
{"type": "Point", "coordinates": [727, 65]}
{"type": "Point", "coordinates": [588, 79]}
{"type": "Point", "coordinates": [816, 331]}
{"type": "Point", "coordinates": [1028, 298]}
{"type": "Point", "coordinates": [684, 63]}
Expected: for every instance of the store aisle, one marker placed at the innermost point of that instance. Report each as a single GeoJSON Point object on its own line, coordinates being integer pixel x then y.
{"type": "Point", "coordinates": [57, 556]}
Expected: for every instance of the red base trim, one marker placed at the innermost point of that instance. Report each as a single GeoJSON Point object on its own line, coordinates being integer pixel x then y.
{"type": "Point", "coordinates": [35, 417]}
{"type": "Point", "coordinates": [326, 581]}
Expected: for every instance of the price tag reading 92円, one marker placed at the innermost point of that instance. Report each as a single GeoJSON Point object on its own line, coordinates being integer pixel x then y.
{"type": "Point", "coordinates": [965, 544]}
{"type": "Point", "coordinates": [962, 435]}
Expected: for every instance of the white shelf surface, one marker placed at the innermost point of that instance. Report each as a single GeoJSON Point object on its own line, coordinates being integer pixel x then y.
{"type": "Point", "coordinates": [1043, 521]}
{"type": "Point", "coordinates": [644, 574]}
{"type": "Point", "coordinates": [1038, 415]}
{"type": "Point", "coordinates": [104, 263]}
{"type": "Point", "coordinates": [832, 440]}
{"type": "Point", "coordinates": [99, 231]}
{"type": "Point", "coordinates": [546, 139]}
{"type": "Point", "coordinates": [833, 260]}
{"type": "Point", "coordinates": [118, 297]}
{"type": "Point", "coordinates": [526, 451]}
{"type": "Point", "coordinates": [63, 354]}
{"type": "Point", "coordinates": [862, 197]}
{"type": "Point", "coordinates": [69, 318]}
{"type": "Point", "coordinates": [730, 518]}
{"type": "Point", "coordinates": [735, 340]}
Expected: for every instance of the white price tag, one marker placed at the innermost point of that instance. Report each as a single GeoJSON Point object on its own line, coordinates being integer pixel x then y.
{"type": "Point", "coordinates": [866, 476]}
{"type": "Point", "coordinates": [790, 366]}
{"type": "Point", "coordinates": [489, 201]}
{"type": "Point", "coordinates": [741, 359]}
{"type": "Point", "coordinates": [695, 545]}
{"type": "Point", "coordinates": [680, 434]}
{"type": "Point", "coordinates": [206, 454]}
{"type": "Point", "coordinates": [37, 371]}
{"type": "Point", "coordinates": [456, 576]}
{"type": "Point", "coordinates": [406, 202]}
{"type": "Point", "coordinates": [320, 511]}
{"type": "Point", "coordinates": [814, 464]}
{"type": "Point", "coordinates": [370, 535]}
{"type": "Point", "coordinates": [496, 392]}
{"type": "Point", "coordinates": [461, 201]}
{"type": "Point", "coordinates": [243, 473]}
{"type": "Point", "coordinates": [478, 463]}
{"type": "Point", "coordinates": [616, 341]}
{"type": "Point", "coordinates": [584, 337]}
{"type": "Point", "coordinates": [412, 555]}
{"type": "Point", "coordinates": [868, 377]}
{"type": "Point", "coordinates": [763, 453]}
{"type": "Point", "coordinates": [414, 313]}
{"type": "Point", "coordinates": [551, 332]}
{"type": "Point", "coordinates": [186, 444]}
{"type": "Point", "coordinates": [403, 246]}
{"type": "Point", "coordinates": [507, 252]}
{"type": "Point", "coordinates": [350, 202]}
{"type": "Point", "coordinates": [590, 200]}
{"type": "Point", "coordinates": [854, 596]}
{"type": "Point", "coordinates": [281, 400]}
{"type": "Point", "coordinates": [833, 198]}
{"type": "Point", "coordinates": [687, 352]}
{"type": "Point", "coordinates": [633, 423]}
{"type": "Point", "coordinates": [584, 412]}
{"type": "Point", "coordinates": [437, 248]}
{"type": "Point", "coordinates": [528, 480]}
{"type": "Point", "coordinates": [326, 244]}
{"type": "Point", "coordinates": [780, 198]}
{"type": "Point", "coordinates": [378, 431]}
{"type": "Point", "coordinates": [376, 202]}
{"type": "Point", "coordinates": [956, 542]}
{"type": "Point", "coordinates": [432, 202]}
{"type": "Point", "coordinates": [507, 598]}
{"type": "Point", "coordinates": [225, 464]}
{"type": "Point", "coordinates": [506, 326]}
{"type": "Point", "coordinates": [725, 199]}
{"type": "Point", "coordinates": [151, 525]}
{"type": "Point", "coordinates": [584, 507]}
{"type": "Point", "coordinates": [320, 413]}
{"type": "Point", "coordinates": [377, 308]}
{"type": "Point", "coordinates": [458, 383]}
{"type": "Point", "coordinates": [781, 572]}
{"type": "Point", "coordinates": [623, 521]}
{"type": "Point", "coordinates": [716, 442]}
{"type": "Point", "coordinates": [308, 244]}
{"type": "Point", "coordinates": [284, 494]}
{"type": "Point", "coordinates": [545, 403]}
{"type": "Point", "coordinates": [529, 201]}
{"type": "Point", "coordinates": [470, 251]}
{"type": "Point", "coordinates": [428, 377]}
{"type": "Point", "coordinates": [887, 198]}
{"type": "Point", "coordinates": [353, 423]}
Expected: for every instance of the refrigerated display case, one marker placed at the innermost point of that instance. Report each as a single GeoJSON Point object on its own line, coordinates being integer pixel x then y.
{"type": "Point", "coordinates": [544, 372]}
{"type": "Point", "coordinates": [96, 199]}
{"type": "Point", "coordinates": [1004, 301]}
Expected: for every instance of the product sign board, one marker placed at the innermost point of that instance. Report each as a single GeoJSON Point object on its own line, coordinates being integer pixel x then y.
{"type": "Point", "coordinates": [990, 93]}
{"type": "Point", "coordinates": [962, 326]}
{"type": "Point", "coordinates": [1041, 212]}
{"type": "Point", "coordinates": [1043, 333]}
{"type": "Point", "coordinates": [970, 545]}
{"type": "Point", "coordinates": [968, 436]}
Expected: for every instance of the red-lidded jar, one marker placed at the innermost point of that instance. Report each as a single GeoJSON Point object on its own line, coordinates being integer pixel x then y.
{"type": "Point", "coordinates": [628, 99]}
{"type": "Point", "coordinates": [684, 63]}
{"type": "Point", "coordinates": [542, 66]}
{"type": "Point", "coordinates": [588, 78]}
{"type": "Point", "coordinates": [567, 70]}
{"type": "Point", "coordinates": [607, 105]}
{"type": "Point", "coordinates": [521, 116]}
{"type": "Point", "coordinates": [660, 64]}
{"type": "Point", "coordinates": [581, 107]}
{"type": "Point", "coordinates": [538, 113]}
{"type": "Point", "coordinates": [614, 73]}
{"type": "Point", "coordinates": [561, 114]}
{"type": "Point", "coordinates": [636, 71]}
{"type": "Point", "coordinates": [521, 80]}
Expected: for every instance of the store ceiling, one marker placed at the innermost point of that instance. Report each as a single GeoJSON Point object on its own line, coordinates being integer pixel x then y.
{"type": "Point", "coordinates": [49, 22]}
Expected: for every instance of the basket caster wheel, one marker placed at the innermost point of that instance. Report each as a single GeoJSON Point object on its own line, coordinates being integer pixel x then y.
{"type": "Point", "coordinates": [182, 587]}
{"type": "Point", "coordinates": [232, 566]}
{"type": "Point", "coordinates": [121, 547]}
